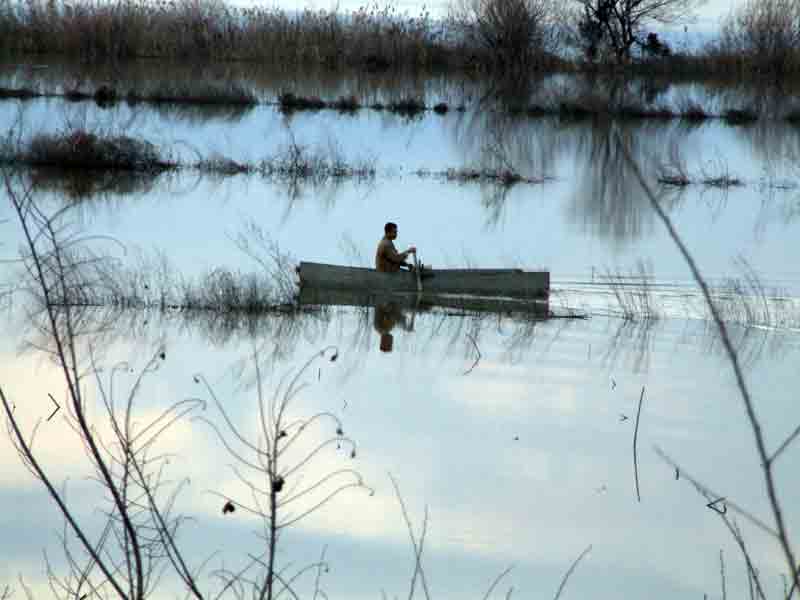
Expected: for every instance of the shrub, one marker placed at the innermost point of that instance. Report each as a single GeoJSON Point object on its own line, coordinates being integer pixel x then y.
{"type": "Point", "coordinates": [514, 34]}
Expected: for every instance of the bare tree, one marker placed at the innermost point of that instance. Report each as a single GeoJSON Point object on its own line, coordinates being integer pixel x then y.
{"type": "Point", "coordinates": [615, 26]}
{"type": "Point", "coordinates": [514, 34]}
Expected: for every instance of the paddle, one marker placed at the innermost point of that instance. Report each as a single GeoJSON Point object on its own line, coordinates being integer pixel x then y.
{"type": "Point", "coordinates": [418, 271]}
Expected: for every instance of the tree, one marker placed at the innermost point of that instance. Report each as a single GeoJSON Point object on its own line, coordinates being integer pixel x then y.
{"type": "Point", "coordinates": [615, 26]}
{"type": "Point", "coordinates": [515, 34]}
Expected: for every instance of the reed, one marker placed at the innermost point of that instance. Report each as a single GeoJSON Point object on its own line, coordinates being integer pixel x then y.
{"type": "Point", "coordinates": [633, 294]}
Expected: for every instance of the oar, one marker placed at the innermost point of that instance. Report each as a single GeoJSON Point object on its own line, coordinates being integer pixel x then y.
{"type": "Point", "coordinates": [419, 274]}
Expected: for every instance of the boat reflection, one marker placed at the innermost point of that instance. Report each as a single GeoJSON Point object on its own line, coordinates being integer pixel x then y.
{"type": "Point", "coordinates": [387, 316]}
{"type": "Point", "coordinates": [393, 310]}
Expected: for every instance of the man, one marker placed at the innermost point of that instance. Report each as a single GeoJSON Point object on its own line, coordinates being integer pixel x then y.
{"type": "Point", "coordinates": [387, 258]}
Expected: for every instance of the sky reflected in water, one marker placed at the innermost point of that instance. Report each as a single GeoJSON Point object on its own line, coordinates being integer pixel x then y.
{"type": "Point", "coordinates": [516, 435]}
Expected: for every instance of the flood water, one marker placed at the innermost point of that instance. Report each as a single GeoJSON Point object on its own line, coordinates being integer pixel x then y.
{"type": "Point", "coordinates": [515, 434]}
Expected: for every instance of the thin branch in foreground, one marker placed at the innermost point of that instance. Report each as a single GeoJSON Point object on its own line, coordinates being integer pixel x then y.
{"type": "Point", "coordinates": [497, 581]}
{"type": "Point", "coordinates": [792, 437]}
{"type": "Point", "coordinates": [635, 454]}
{"type": "Point", "coordinates": [571, 569]}
{"type": "Point", "coordinates": [755, 424]}
{"type": "Point", "coordinates": [471, 338]}
{"type": "Point", "coordinates": [710, 495]}
{"type": "Point", "coordinates": [722, 575]}
{"type": "Point", "coordinates": [417, 548]}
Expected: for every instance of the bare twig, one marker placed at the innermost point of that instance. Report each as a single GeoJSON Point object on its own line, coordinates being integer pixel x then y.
{"type": "Point", "coordinates": [471, 338]}
{"type": "Point", "coordinates": [496, 581]}
{"type": "Point", "coordinates": [635, 455]}
{"type": "Point", "coordinates": [755, 424]}
{"type": "Point", "coordinates": [571, 569]}
{"type": "Point", "coordinates": [418, 570]}
{"type": "Point", "coordinates": [722, 575]}
{"type": "Point", "coordinates": [792, 437]}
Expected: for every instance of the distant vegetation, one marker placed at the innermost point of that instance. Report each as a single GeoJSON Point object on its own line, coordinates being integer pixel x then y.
{"type": "Point", "coordinates": [492, 37]}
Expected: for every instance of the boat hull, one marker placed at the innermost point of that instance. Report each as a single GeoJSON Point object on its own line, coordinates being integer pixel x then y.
{"type": "Point", "coordinates": [511, 283]}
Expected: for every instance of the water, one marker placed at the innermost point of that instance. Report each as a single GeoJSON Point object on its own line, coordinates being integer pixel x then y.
{"type": "Point", "coordinates": [516, 435]}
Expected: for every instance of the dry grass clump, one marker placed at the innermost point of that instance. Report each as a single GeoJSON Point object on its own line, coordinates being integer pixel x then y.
{"type": "Point", "coordinates": [18, 93]}
{"type": "Point", "coordinates": [503, 177]}
{"type": "Point", "coordinates": [793, 116]}
{"type": "Point", "coordinates": [674, 172]}
{"type": "Point", "coordinates": [407, 106]}
{"type": "Point", "coordinates": [346, 104]}
{"type": "Point", "coordinates": [296, 163]}
{"type": "Point", "coordinates": [153, 282]}
{"type": "Point", "coordinates": [230, 93]}
{"type": "Point", "coordinates": [692, 111]}
{"type": "Point", "coordinates": [222, 165]}
{"type": "Point", "coordinates": [289, 102]}
{"type": "Point", "coordinates": [639, 111]}
{"type": "Point", "coordinates": [740, 116]}
{"type": "Point", "coordinates": [86, 150]}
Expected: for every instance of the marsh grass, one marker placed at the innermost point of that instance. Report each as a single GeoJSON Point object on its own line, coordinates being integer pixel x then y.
{"type": "Point", "coordinates": [153, 282]}
{"type": "Point", "coordinates": [633, 294]}
{"type": "Point", "coordinates": [740, 116]}
{"type": "Point", "coordinates": [408, 106]}
{"type": "Point", "coordinates": [370, 38]}
{"type": "Point", "coordinates": [692, 111]}
{"type": "Point", "coordinates": [82, 149]}
{"type": "Point", "coordinates": [297, 163]}
{"type": "Point", "coordinates": [289, 102]}
{"type": "Point", "coordinates": [672, 171]}
{"type": "Point", "coordinates": [18, 93]}
{"type": "Point", "coordinates": [229, 93]}
{"type": "Point", "coordinates": [746, 301]}
{"type": "Point", "coordinates": [503, 177]}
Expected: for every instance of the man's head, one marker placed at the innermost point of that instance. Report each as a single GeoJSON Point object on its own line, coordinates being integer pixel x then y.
{"type": "Point", "coordinates": [390, 229]}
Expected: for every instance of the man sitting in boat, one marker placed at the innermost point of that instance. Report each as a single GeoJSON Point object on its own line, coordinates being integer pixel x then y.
{"type": "Point", "coordinates": [387, 258]}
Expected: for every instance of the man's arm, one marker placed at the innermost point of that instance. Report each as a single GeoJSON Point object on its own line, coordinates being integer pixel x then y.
{"type": "Point", "coordinates": [392, 255]}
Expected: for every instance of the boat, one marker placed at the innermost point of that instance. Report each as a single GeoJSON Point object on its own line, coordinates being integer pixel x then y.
{"type": "Point", "coordinates": [505, 283]}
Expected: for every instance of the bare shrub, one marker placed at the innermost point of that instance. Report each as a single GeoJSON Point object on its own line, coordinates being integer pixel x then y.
{"type": "Point", "coordinates": [609, 29]}
{"type": "Point", "coordinates": [514, 34]}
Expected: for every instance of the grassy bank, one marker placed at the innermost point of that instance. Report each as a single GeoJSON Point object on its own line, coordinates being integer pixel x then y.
{"type": "Point", "coordinates": [756, 40]}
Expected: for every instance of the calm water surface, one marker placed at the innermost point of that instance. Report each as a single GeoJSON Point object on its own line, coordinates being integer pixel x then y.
{"type": "Point", "coordinates": [523, 458]}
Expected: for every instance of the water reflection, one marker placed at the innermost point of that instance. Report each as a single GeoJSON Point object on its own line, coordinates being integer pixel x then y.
{"type": "Point", "coordinates": [389, 315]}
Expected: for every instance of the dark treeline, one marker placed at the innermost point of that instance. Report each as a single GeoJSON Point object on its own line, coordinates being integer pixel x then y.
{"type": "Point", "coordinates": [490, 37]}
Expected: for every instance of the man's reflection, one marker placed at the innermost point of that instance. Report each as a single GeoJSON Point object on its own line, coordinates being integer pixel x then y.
{"type": "Point", "coordinates": [387, 316]}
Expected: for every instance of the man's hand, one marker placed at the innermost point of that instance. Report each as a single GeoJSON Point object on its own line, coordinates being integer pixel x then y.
{"type": "Point", "coordinates": [412, 250]}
